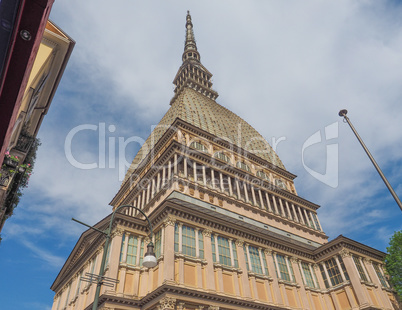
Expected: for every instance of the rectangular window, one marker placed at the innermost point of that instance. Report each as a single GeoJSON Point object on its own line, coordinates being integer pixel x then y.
{"type": "Point", "coordinates": [360, 268]}
{"type": "Point", "coordinates": [283, 268]}
{"type": "Point", "coordinates": [255, 260]}
{"type": "Point", "coordinates": [132, 250]}
{"type": "Point", "coordinates": [188, 241]}
{"type": "Point", "coordinates": [224, 251]}
{"type": "Point", "coordinates": [201, 244]}
{"type": "Point", "coordinates": [333, 272]}
{"type": "Point", "coordinates": [158, 243]}
{"type": "Point", "coordinates": [307, 275]}
{"type": "Point", "coordinates": [380, 275]}
{"type": "Point", "coordinates": [176, 238]}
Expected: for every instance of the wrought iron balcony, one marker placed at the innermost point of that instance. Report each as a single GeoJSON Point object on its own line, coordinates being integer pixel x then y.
{"type": "Point", "coordinates": [24, 143]}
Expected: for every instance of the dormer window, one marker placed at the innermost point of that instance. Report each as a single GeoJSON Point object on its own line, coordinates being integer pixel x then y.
{"type": "Point", "coordinates": [280, 183]}
{"type": "Point", "coordinates": [223, 157]}
{"type": "Point", "coordinates": [198, 146]}
{"type": "Point", "coordinates": [262, 175]}
{"type": "Point", "coordinates": [243, 166]}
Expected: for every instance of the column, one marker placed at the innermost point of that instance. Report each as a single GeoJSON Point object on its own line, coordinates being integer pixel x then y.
{"type": "Point", "coordinates": [245, 191]}
{"type": "Point", "coordinates": [275, 205]}
{"type": "Point", "coordinates": [158, 182]}
{"type": "Point", "coordinates": [302, 272]}
{"type": "Point", "coordinates": [313, 275]}
{"type": "Point", "coordinates": [261, 200]}
{"type": "Point", "coordinates": [288, 209]}
{"type": "Point", "coordinates": [124, 256]}
{"type": "Point", "coordinates": [170, 170]}
{"type": "Point", "coordinates": [230, 186]}
{"type": "Point", "coordinates": [175, 164]}
{"type": "Point", "coordinates": [168, 256]}
{"type": "Point", "coordinates": [209, 269]}
{"type": "Point", "coordinates": [242, 264]}
{"type": "Point", "coordinates": [275, 284]}
{"type": "Point", "coordinates": [180, 226]}
{"type": "Point", "coordinates": [294, 213]}
{"type": "Point", "coordinates": [261, 261]}
{"type": "Point", "coordinates": [305, 213]}
{"type": "Point", "coordinates": [148, 191]}
{"type": "Point", "coordinates": [231, 252]}
{"type": "Point", "coordinates": [282, 209]}
{"type": "Point", "coordinates": [312, 220]}
{"type": "Point", "coordinates": [374, 278]}
{"type": "Point", "coordinates": [253, 195]}
{"type": "Point", "coordinates": [326, 274]}
{"type": "Point", "coordinates": [143, 199]}
{"type": "Point", "coordinates": [221, 182]}
{"type": "Point", "coordinates": [299, 274]}
{"type": "Point", "coordinates": [238, 189]}
{"type": "Point", "coordinates": [301, 214]}
{"type": "Point", "coordinates": [320, 279]}
{"type": "Point", "coordinates": [204, 175]}
{"type": "Point", "coordinates": [197, 243]}
{"type": "Point", "coordinates": [216, 248]}
{"type": "Point", "coordinates": [153, 188]}
{"type": "Point", "coordinates": [163, 176]}
{"type": "Point", "coordinates": [268, 202]}
{"type": "Point", "coordinates": [319, 224]}
{"type": "Point", "coordinates": [213, 178]}
{"type": "Point", "coordinates": [195, 171]}
{"type": "Point", "coordinates": [289, 271]}
{"type": "Point", "coordinates": [354, 278]}
{"type": "Point", "coordinates": [248, 257]}
{"type": "Point", "coordinates": [340, 268]}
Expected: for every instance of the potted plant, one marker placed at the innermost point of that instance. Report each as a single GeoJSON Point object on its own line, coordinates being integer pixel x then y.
{"type": "Point", "coordinates": [11, 160]}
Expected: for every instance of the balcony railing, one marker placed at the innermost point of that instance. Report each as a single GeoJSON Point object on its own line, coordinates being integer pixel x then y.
{"type": "Point", "coordinates": [24, 143]}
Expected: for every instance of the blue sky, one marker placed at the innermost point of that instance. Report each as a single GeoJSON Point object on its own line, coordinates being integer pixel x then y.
{"type": "Point", "coordinates": [286, 67]}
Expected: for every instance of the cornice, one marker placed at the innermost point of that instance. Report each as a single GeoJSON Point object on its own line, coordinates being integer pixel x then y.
{"type": "Point", "coordinates": [183, 293]}
{"type": "Point", "coordinates": [341, 244]}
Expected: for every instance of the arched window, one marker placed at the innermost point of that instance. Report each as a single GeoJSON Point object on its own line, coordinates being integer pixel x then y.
{"type": "Point", "coordinates": [198, 146]}
{"type": "Point", "coordinates": [223, 157]}
{"type": "Point", "coordinates": [262, 175]}
{"type": "Point", "coordinates": [243, 166]}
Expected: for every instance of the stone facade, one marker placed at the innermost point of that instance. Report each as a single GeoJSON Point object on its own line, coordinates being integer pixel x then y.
{"type": "Point", "coordinates": [230, 231]}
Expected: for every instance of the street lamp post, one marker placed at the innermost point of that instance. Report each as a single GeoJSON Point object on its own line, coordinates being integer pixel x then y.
{"type": "Point", "coordinates": [149, 260]}
{"type": "Point", "coordinates": [342, 113]}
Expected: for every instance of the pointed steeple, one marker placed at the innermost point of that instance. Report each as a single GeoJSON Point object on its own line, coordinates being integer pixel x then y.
{"type": "Point", "coordinates": [192, 73]}
{"type": "Point", "coordinates": [190, 46]}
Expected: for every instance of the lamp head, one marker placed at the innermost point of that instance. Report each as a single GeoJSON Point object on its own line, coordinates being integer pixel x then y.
{"type": "Point", "coordinates": [342, 113]}
{"type": "Point", "coordinates": [149, 260]}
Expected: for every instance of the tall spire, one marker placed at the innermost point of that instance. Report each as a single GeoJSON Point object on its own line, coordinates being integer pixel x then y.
{"type": "Point", "coordinates": [192, 73]}
{"type": "Point", "coordinates": [190, 46]}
